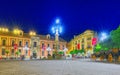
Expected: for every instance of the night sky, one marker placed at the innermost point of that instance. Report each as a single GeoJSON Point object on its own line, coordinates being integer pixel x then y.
{"type": "Point", "coordinates": [76, 15]}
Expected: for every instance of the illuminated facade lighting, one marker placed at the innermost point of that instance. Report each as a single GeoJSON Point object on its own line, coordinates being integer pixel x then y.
{"type": "Point", "coordinates": [6, 30]}
{"type": "Point", "coordinates": [2, 29]}
{"type": "Point", "coordinates": [103, 36]}
{"type": "Point", "coordinates": [57, 21]}
{"type": "Point", "coordinates": [32, 33]}
{"type": "Point", "coordinates": [17, 31]}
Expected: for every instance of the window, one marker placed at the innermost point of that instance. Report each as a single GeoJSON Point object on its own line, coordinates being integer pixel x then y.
{"type": "Point", "coordinates": [76, 43]}
{"type": "Point", "coordinates": [53, 46]}
{"type": "Point", "coordinates": [12, 52]}
{"type": "Point", "coordinates": [13, 42]}
{"type": "Point", "coordinates": [26, 52]}
{"type": "Point", "coordinates": [3, 51]}
{"type": "Point", "coordinates": [88, 46]}
{"type": "Point", "coordinates": [89, 38]}
{"type": "Point", "coordinates": [20, 43]}
{"type": "Point", "coordinates": [48, 52]}
{"type": "Point", "coordinates": [76, 47]}
{"type": "Point", "coordinates": [35, 44]}
{"type": "Point", "coordinates": [20, 50]}
{"type": "Point", "coordinates": [48, 45]}
{"type": "Point", "coordinates": [48, 37]}
{"type": "Point", "coordinates": [63, 47]}
{"type": "Point", "coordinates": [42, 53]}
{"type": "Point", "coordinates": [82, 46]}
{"type": "Point", "coordinates": [20, 33]}
{"type": "Point", "coordinates": [42, 45]}
{"type": "Point", "coordinates": [4, 42]}
{"type": "Point", "coordinates": [58, 46]}
{"type": "Point", "coordinates": [26, 44]}
{"type": "Point", "coordinates": [82, 40]}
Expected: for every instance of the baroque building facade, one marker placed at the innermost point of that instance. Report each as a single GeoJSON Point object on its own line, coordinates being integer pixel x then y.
{"type": "Point", "coordinates": [82, 41]}
{"type": "Point", "coordinates": [28, 44]}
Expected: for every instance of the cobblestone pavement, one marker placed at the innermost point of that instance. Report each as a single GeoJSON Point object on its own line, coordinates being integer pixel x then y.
{"type": "Point", "coordinates": [57, 67]}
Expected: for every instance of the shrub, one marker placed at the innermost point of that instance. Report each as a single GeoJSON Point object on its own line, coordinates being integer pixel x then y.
{"type": "Point", "coordinates": [61, 52]}
{"type": "Point", "coordinates": [50, 58]}
{"type": "Point", "coordinates": [110, 58]}
{"type": "Point", "coordinates": [57, 57]}
{"type": "Point", "coordinates": [44, 58]}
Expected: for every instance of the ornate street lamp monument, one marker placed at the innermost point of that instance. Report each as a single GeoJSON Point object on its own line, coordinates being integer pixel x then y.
{"type": "Point", "coordinates": [57, 29]}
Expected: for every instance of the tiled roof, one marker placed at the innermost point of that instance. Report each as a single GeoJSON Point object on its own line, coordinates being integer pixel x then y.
{"type": "Point", "coordinates": [44, 37]}
{"type": "Point", "coordinates": [25, 35]}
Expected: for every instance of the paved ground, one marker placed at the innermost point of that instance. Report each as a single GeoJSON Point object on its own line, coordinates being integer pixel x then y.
{"type": "Point", "coordinates": [57, 67]}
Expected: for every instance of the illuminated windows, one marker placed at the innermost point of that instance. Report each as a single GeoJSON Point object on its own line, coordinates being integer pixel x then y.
{"type": "Point", "coordinates": [3, 42]}
{"type": "Point", "coordinates": [20, 43]}
{"type": "Point", "coordinates": [3, 51]}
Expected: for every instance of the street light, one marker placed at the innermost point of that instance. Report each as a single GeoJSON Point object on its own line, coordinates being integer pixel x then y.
{"type": "Point", "coordinates": [26, 52]}
{"type": "Point", "coordinates": [57, 21]}
{"type": "Point", "coordinates": [103, 36]}
{"type": "Point", "coordinates": [57, 29]}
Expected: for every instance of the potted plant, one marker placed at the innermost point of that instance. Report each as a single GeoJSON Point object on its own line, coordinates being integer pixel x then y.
{"type": "Point", "coordinates": [17, 53]}
{"type": "Point", "coordinates": [60, 53]}
{"type": "Point", "coordinates": [7, 52]}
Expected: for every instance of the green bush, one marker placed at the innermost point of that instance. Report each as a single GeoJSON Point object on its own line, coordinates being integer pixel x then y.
{"type": "Point", "coordinates": [77, 51]}
{"type": "Point", "coordinates": [7, 51]}
{"type": "Point", "coordinates": [44, 58]}
{"type": "Point", "coordinates": [60, 52]}
{"type": "Point", "coordinates": [58, 57]}
{"type": "Point", "coordinates": [50, 58]}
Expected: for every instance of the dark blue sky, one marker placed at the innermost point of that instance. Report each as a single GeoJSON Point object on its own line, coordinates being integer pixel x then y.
{"type": "Point", "coordinates": [76, 15]}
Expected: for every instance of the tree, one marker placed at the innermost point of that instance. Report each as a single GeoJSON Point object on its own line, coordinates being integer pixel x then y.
{"type": "Point", "coordinates": [7, 52]}
{"type": "Point", "coordinates": [107, 44]}
{"type": "Point", "coordinates": [115, 35]}
{"type": "Point", "coordinates": [72, 52]}
{"type": "Point", "coordinates": [60, 52]}
{"type": "Point", "coordinates": [80, 51]}
{"type": "Point", "coordinates": [17, 53]}
{"type": "Point", "coordinates": [97, 48]}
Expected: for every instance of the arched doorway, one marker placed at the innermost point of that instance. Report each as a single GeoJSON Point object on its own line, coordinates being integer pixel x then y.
{"type": "Point", "coordinates": [34, 54]}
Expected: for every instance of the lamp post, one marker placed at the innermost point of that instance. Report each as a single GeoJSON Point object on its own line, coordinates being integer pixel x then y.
{"type": "Point", "coordinates": [26, 52]}
{"type": "Point", "coordinates": [103, 36]}
{"type": "Point", "coordinates": [57, 29]}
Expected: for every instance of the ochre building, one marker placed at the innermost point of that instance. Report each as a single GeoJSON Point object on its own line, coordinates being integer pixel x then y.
{"type": "Point", "coordinates": [82, 41]}
{"type": "Point", "coordinates": [28, 44]}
